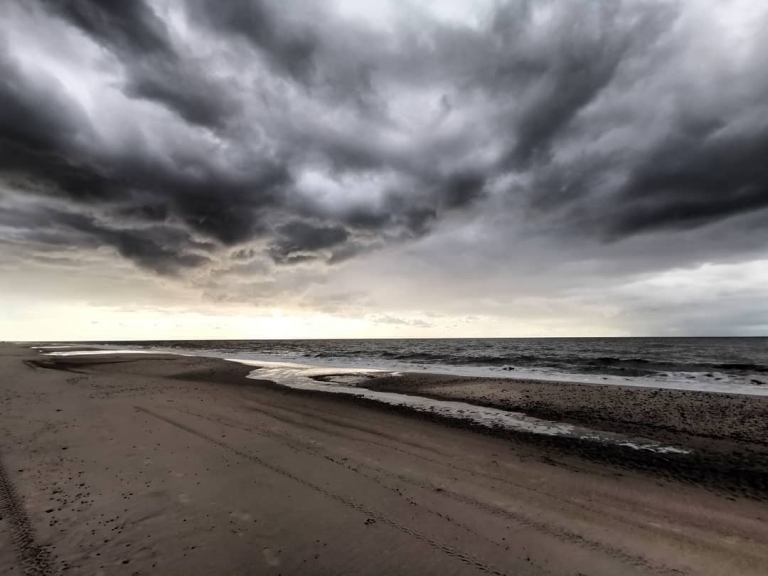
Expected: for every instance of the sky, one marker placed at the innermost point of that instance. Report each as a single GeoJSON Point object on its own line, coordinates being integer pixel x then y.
{"type": "Point", "coordinates": [382, 168]}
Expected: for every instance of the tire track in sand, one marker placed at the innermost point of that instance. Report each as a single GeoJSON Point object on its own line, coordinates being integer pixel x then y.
{"type": "Point", "coordinates": [34, 559]}
{"type": "Point", "coordinates": [349, 503]}
{"type": "Point", "coordinates": [298, 445]}
{"type": "Point", "coordinates": [560, 533]}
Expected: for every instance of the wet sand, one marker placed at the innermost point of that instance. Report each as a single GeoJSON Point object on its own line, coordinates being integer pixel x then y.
{"type": "Point", "coordinates": [180, 465]}
{"type": "Point", "coordinates": [706, 419]}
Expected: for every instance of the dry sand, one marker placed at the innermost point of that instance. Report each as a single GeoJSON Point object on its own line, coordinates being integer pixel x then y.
{"type": "Point", "coordinates": [178, 465]}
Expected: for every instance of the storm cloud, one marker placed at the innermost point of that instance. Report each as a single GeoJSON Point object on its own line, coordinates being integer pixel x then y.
{"type": "Point", "coordinates": [193, 136]}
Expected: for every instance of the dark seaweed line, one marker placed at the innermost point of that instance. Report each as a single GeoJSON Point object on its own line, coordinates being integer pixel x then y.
{"type": "Point", "coordinates": [34, 559]}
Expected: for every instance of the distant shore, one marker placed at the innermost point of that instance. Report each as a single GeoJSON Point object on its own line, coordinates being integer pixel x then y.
{"type": "Point", "coordinates": [181, 465]}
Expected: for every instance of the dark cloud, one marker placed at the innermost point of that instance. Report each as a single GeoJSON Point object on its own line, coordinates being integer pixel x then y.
{"type": "Point", "coordinates": [460, 190]}
{"type": "Point", "coordinates": [289, 47]}
{"type": "Point", "coordinates": [156, 69]}
{"type": "Point", "coordinates": [163, 250]}
{"type": "Point", "coordinates": [51, 121]}
{"type": "Point", "coordinates": [692, 180]}
{"type": "Point", "coordinates": [130, 25]}
{"type": "Point", "coordinates": [40, 135]}
{"type": "Point", "coordinates": [244, 254]}
{"type": "Point", "coordinates": [298, 241]}
{"type": "Point", "coordinates": [184, 88]}
{"type": "Point", "coordinates": [563, 77]}
{"type": "Point", "coordinates": [246, 129]}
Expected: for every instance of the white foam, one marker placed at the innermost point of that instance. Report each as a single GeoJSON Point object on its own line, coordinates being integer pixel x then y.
{"type": "Point", "coordinates": [660, 449]}
{"type": "Point", "coordinates": [100, 352]}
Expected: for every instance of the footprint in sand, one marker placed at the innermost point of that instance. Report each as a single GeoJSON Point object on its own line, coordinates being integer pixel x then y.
{"type": "Point", "coordinates": [270, 557]}
{"type": "Point", "coordinates": [242, 516]}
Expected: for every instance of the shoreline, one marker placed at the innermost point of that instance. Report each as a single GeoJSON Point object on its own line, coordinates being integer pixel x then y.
{"type": "Point", "coordinates": [682, 382]}
{"type": "Point", "coordinates": [619, 410]}
{"type": "Point", "coordinates": [714, 444]}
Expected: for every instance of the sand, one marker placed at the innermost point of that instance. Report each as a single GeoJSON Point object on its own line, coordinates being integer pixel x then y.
{"type": "Point", "coordinates": [180, 465]}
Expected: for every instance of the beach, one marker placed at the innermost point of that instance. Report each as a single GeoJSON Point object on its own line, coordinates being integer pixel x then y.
{"type": "Point", "coordinates": [165, 464]}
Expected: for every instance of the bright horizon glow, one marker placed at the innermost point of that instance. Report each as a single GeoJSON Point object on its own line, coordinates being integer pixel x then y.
{"type": "Point", "coordinates": [33, 319]}
{"type": "Point", "coordinates": [70, 324]}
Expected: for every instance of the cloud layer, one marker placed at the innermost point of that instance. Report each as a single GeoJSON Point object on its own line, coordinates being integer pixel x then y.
{"type": "Point", "coordinates": [253, 137]}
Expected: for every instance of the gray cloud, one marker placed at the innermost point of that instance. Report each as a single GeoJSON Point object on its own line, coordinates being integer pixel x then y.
{"type": "Point", "coordinates": [396, 321]}
{"type": "Point", "coordinates": [301, 240]}
{"type": "Point", "coordinates": [186, 135]}
{"type": "Point", "coordinates": [694, 179]}
{"type": "Point", "coordinates": [127, 25]}
{"type": "Point", "coordinates": [160, 249]}
{"type": "Point", "coordinates": [289, 47]}
{"type": "Point", "coordinates": [157, 70]}
{"type": "Point", "coordinates": [182, 88]}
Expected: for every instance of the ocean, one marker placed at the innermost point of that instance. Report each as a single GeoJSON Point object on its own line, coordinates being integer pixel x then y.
{"type": "Point", "coordinates": [715, 364]}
